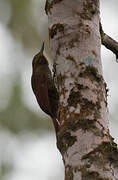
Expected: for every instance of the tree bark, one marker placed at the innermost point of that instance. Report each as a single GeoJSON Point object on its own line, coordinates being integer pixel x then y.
{"type": "Point", "coordinates": [83, 138]}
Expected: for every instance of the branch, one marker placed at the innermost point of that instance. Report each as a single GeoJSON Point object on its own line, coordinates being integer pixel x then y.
{"type": "Point", "coordinates": [109, 43]}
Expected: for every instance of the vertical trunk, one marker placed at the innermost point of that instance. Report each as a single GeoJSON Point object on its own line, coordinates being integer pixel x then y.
{"type": "Point", "coordinates": [83, 139]}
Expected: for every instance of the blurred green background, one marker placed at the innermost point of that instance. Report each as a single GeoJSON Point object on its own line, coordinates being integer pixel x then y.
{"type": "Point", "coordinates": [27, 140]}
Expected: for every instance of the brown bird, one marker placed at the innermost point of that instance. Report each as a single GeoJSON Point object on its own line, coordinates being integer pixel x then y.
{"type": "Point", "coordinates": [43, 86]}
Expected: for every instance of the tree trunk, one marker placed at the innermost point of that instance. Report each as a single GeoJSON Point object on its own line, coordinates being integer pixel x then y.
{"type": "Point", "coordinates": [83, 139]}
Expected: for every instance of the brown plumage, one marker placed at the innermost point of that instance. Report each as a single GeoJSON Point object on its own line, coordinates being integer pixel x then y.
{"type": "Point", "coordinates": [43, 86]}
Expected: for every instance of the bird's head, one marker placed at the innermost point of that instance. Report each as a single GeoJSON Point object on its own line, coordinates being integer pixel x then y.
{"type": "Point", "coordinates": [39, 59]}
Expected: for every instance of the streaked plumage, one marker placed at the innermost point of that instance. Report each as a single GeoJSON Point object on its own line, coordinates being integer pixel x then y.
{"type": "Point", "coordinates": [43, 86]}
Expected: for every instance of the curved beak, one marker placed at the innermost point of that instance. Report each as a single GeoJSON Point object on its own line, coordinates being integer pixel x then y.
{"type": "Point", "coordinates": [42, 48]}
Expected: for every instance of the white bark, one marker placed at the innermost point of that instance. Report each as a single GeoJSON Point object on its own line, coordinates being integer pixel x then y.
{"type": "Point", "coordinates": [83, 139]}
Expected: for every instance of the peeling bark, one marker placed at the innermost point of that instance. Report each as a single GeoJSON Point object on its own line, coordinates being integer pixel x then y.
{"type": "Point", "coordinates": [83, 138]}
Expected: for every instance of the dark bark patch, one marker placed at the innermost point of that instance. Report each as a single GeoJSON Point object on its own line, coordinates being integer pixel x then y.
{"type": "Point", "coordinates": [109, 152]}
{"type": "Point", "coordinates": [90, 8]}
{"type": "Point", "coordinates": [90, 175]}
{"type": "Point", "coordinates": [71, 43]}
{"type": "Point", "coordinates": [55, 29]}
{"type": "Point", "coordinates": [49, 4]}
{"type": "Point", "coordinates": [92, 73]}
{"type": "Point", "coordinates": [86, 104]}
{"type": "Point", "coordinates": [68, 173]}
{"type": "Point", "coordinates": [48, 7]}
{"type": "Point", "coordinates": [65, 140]}
{"type": "Point", "coordinates": [81, 86]}
{"type": "Point", "coordinates": [87, 107]}
{"type": "Point", "coordinates": [71, 58]}
{"type": "Point", "coordinates": [74, 98]}
{"type": "Point", "coordinates": [106, 90]}
{"type": "Point", "coordinates": [87, 174]}
{"type": "Point", "coordinates": [61, 79]}
{"type": "Point", "coordinates": [76, 122]}
{"type": "Point", "coordinates": [87, 29]}
{"type": "Point", "coordinates": [86, 124]}
{"type": "Point", "coordinates": [83, 123]}
{"type": "Point", "coordinates": [62, 112]}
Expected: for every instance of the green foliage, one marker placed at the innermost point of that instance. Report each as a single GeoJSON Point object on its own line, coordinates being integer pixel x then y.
{"type": "Point", "coordinates": [18, 117]}
{"type": "Point", "coordinates": [21, 23]}
{"type": "Point", "coordinates": [5, 169]}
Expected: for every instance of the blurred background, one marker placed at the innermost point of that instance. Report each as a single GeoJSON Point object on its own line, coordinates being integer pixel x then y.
{"type": "Point", "coordinates": [27, 140]}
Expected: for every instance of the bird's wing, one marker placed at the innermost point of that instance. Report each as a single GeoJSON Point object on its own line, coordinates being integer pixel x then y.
{"type": "Point", "coordinates": [54, 100]}
{"type": "Point", "coordinates": [40, 89]}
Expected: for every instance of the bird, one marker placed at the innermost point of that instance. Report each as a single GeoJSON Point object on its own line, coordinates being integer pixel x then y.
{"type": "Point", "coordinates": [44, 87]}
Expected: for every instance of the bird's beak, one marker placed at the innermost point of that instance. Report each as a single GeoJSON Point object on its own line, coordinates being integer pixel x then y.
{"type": "Point", "coordinates": [42, 48]}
